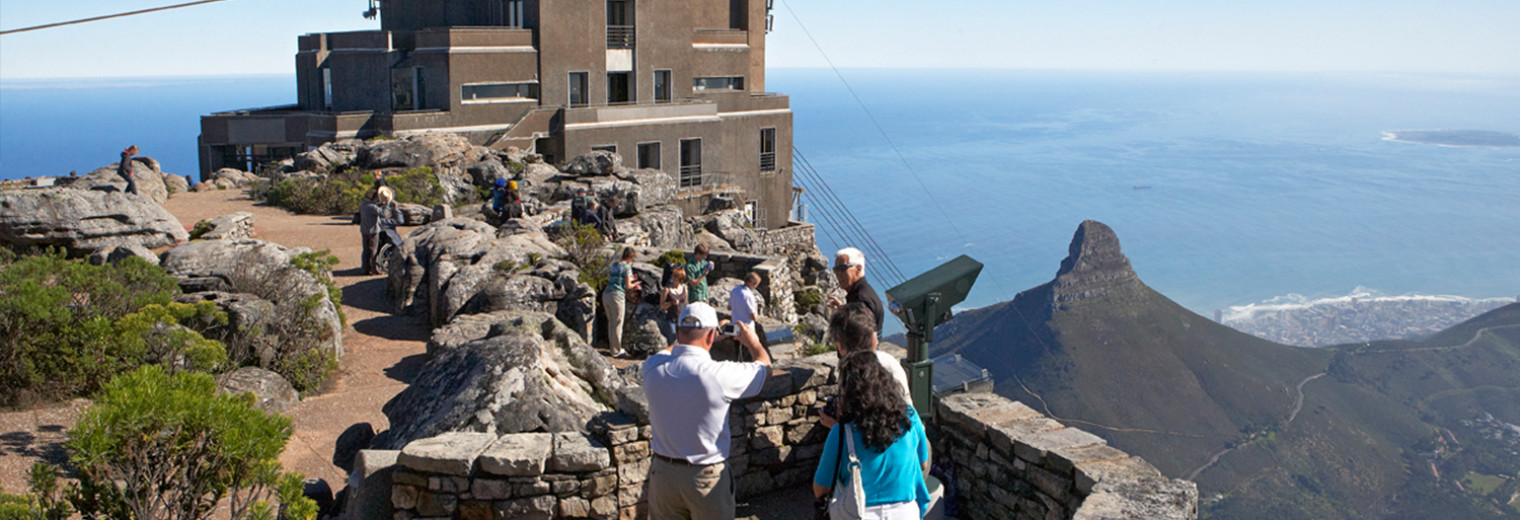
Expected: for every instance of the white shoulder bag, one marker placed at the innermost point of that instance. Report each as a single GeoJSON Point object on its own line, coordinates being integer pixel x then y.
{"type": "Point", "coordinates": [848, 502]}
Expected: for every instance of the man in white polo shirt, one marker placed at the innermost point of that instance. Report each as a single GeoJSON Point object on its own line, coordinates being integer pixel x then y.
{"type": "Point", "coordinates": [689, 396]}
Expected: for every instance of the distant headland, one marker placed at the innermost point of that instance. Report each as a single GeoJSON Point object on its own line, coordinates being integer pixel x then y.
{"type": "Point", "coordinates": [1463, 138]}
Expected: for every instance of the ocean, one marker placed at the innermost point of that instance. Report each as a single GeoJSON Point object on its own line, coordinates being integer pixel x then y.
{"type": "Point", "coordinates": [1225, 188]}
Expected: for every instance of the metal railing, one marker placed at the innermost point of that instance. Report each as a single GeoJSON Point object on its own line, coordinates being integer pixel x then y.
{"type": "Point", "coordinates": [691, 175]}
{"type": "Point", "coordinates": [620, 37]}
{"type": "Point", "coordinates": [767, 161]}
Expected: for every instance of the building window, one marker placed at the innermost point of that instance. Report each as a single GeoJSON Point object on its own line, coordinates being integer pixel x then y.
{"type": "Point", "coordinates": [619, 24]}
{"type": "Point", "coordinates": [662, 86]}
{"type": "Point", "coordinates": [718, 83]}
{"type": "Point", "coordinates": [420, 88]}
{"type": "Point", "coordinates": [511, 14]}
{"type": "Point", "coordinates": [327, 90]}
{"type": "Point", "coordinates": [649, 156]}
{"type": "Point", "coordinates": [605, 148]}
{"type": "Point", "coordinates": [619, 88]}
{"type": "Point", "coordinates": [485, 92]}
{"type": "Point", "coordinates": [691, 162]}
{"type": "Point", "coordinates": [578, 89]}
{"type": "Point", "coordinates": [767, 149]}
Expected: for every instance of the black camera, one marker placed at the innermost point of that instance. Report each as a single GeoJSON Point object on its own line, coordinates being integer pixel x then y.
{"type": "Point", "coordinates": [729, 329]}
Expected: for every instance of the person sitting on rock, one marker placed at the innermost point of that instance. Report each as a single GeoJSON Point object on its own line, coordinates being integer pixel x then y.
{"type": "Point", "coordinates": [124, 168]}
{"type": "Point", "coordinates": [587, 216]}
{"type": "Point", "coordinates": [605, 213]}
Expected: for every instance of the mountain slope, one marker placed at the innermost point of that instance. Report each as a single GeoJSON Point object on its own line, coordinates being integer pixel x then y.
{"type": "Point", "coordinates": [1097, 348]}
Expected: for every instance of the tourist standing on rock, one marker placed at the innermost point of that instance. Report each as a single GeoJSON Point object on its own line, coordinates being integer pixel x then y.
{"type": "Point", "coordinates": [744, 304]}
{"type": "Point", "coordinates": [850, 270]}
{"type": "Point", "coordinates": [375, 213]}
{"type": "Point", "coordinates": [697, 269]}
{"type": "Point", "coordinates": [124, 168]}
{"type": "Point", "coordinates": [672, 301]}
{"type": "Point", "coordinates": [615, 300]}
{"type": "Point", "coordinates": [853, 331]}
{"type": "Point", "coordinates": [884, 434]}
{"type": "Point", "coordinates": [689, 396]}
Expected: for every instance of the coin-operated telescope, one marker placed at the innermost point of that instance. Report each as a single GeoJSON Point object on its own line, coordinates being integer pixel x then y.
{"type": "Point", "coordinates": [922, 304]}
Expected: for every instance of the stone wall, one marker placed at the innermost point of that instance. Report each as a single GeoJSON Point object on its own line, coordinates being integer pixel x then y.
{"type": "Point", "coordinates": [599, 474]}
{"type": "Point", "coordinates": [1000, 460]}
{"type": "Point", "coordinates": [777, 285]}
{"type": "Point", "coordinates": [1004, 460]}
{"type": "Point", "coordinates": [782, 241]}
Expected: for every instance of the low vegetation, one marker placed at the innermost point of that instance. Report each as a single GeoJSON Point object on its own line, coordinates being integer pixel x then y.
{"type": "Point", "coordinates": [294, 340]}
{"type": "Point", "coordinates": [340, 193]}
{"type": "Point", "coordinates": [583, 247]}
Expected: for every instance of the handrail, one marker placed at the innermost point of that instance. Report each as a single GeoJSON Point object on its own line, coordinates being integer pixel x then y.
{"type": "Point", "coordinates": [619, 36]}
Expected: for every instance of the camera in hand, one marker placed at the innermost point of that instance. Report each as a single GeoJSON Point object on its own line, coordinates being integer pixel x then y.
{"type": "Point", "coordinates": [729, 329]}
{"type": "Point", "coordinates": [831, 407]}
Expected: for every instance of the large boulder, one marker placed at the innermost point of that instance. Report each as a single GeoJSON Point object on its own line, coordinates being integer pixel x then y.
{"type": "Point", "coordinates": [114, 254]}
{"type": "Point", "coordinates": [456, 184]}
{"type": "Point", "coordinates": [538, 181]}
{"type": "Point", "coordinates": [150, 180]}
{"type": "Point", "coordinates": [636, 191]}
{"type": "Point", "coordinates": [486, 172]}
{"type": "Point", "coordinates": [641, 331]}
{"type": "Point", "coordinates": [463, 266]}
{"type": "Point", "coordinates": [526, 373]}
{"type": "Point", "coordinates": [248, 316]}
{"type": "Point", "coordinates": [732, 227]}
{"type": "Point", "coordinates": [414, 214]}
{"type": "Point", "coordinates": [176, 184]}
{"type": "Point", "coordinates": [262, 269]}
{"type": "Point", "coordinates": [228, 179]}
{"type": "Point", "coordinates": [329, 157]}
{"type": "Point", "coordinates": [662, 228]}
{"type": "Point", "coordinates": [225, 227]}
{"type": "Point", "coordinates": [271, 392]}
{"type": "Point", "coordinates": [598, 163]}
{"type": "Point", "coordinates": [431, 149]}
{"type": "Point", "coordinates": [82, 221]}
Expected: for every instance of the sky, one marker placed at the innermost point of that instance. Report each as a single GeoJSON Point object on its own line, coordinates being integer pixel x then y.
{"type": "Point", "coordinates": [1468, 37]}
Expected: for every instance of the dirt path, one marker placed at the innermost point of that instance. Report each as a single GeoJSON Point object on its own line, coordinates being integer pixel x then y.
{"type": "Point", "coordinates": [382, 352]}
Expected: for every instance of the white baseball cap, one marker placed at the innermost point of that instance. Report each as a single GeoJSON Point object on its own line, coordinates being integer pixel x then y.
{"type": "Point", "coordinates": [698, 316]}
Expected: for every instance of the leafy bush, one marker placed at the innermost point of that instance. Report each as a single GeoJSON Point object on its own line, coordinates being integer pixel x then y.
{"type": "Point", "coordinates": [71, 326]}
{"type": "Point", "coordinates": [45, 501]}
{"type": "Point", "coordinates": [583, 247]}
{"type": "Point", "coordinates": [201, 228]}
{"type": "Point", "coordinates": [340, 193]}
{"type": "Point", "coordinates": [296, 335]}
{"type": "Point", "coordinates": [161, 446]}
{"type": "Point", "coordinates": [807, 298]}
{"type": "Point", "coordinates": [670, 257]}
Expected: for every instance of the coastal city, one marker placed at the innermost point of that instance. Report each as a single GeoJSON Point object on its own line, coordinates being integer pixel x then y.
{"type": "Point", "coordinates": [1361, 316]}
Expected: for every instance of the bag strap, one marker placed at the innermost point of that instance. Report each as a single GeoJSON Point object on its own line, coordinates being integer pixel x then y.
{"type": "Point", "coordinates": [839, 458]}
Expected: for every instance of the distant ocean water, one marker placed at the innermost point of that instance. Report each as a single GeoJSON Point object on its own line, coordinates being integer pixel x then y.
{"type": "Point", "coordinates": [1255, 185]}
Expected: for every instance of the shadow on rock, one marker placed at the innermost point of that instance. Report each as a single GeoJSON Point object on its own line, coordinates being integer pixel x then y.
{"type": "Point", "coordinates": [407, 369]}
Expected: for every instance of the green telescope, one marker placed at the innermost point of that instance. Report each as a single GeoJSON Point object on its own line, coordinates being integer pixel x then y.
{"type": "Point", "coordinates": [922, 304]}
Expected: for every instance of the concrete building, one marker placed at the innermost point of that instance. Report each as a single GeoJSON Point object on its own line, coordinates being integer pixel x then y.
{"type": "Point", "coordinates": [677, 85]}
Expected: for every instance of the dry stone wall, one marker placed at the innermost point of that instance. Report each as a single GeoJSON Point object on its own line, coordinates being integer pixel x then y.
{"type": "Point", "coordinates": [1004, 460]}
{"type": "Point", "coordinates": [1001, 460]}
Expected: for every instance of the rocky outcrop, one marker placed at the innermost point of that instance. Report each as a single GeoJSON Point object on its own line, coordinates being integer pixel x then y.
{"type": "Point", "coordinates": [264, 270]}
{"type": "Point", "coordinates": [176, 184]}
{"type": "Point", "coordinates": [596, 163]}
{"type": "Point", "coordinates": [227, 179]}
{"type": "Point", "coordinates": [114, 254]}
{"type": "Point", "coordinates": [248, 316]}
{"type": "Point", "coordinates": [1094, 267]}
{"type": "Point", "coordinates": [526, 373]}
{"type": "Point", "coordinates": [663, 228]}
{"type": "Point", "coordinates": [462, 266]}
{"type": "Point", "coordinates": [271, 392]}
{"type": "Point", "coordinates": [145, 170]}
{"type": "Point", "coordinates": [82, 221]}
{"type": "Point", "coordinates": [417, 151]}
{"type": "Point", "coordinates": [226, 227]}
{"type": "Point", "coordinates": [641, 331]}
{"type": "Point", "coordinates": [328, 157]}
{"type": "Point", "coordinates": [733, 228]}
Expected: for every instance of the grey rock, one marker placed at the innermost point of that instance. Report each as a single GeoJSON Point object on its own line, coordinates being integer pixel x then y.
{"type": "Point", "coordinates": [328, 157]}
{"type": "Point", "coordinates": [231, 178]}
{"type": "Point", "coordinates": [442, 212]}
{"type": "Point", "coordinates": [369, 488]}
{"type": "Point", "coordinates": [271, 392]}
{"type": "Point", "coordinates": [414, 214]}
{"type": "Point", "coordinates": [813, 328]}
{"type": "Point", "coordinates": [451, 453]}
{"type": "Point", "coordinates": [430, 150]}
{"type": "Point", "coordinates": [486, 172]}
{"type": "Point", "coordinates": [718, 292]}
{"type": "Point", "coordinates": [641, 331]}
{"type": "Point", "coordinates": [114, 254]}
{"type": "Point", "coordinates": [460, 266]}
{"type": "Point", "coordinates": [664, 227]}
{"type": "Point", "coordinates": [176, 184]}
{"type": "Point", "coordinates": [81, 221]}
{"type": "Point", "coordinates": [234, 226]}
{"type": "Point", "coordinates": [632, 401]}
{"type": "Point", "coordinates": [732, 227]}
{"type": "Point", "coordinates": [457, 188]}
{"type": "Point", "coordinates": [576, 452]}
{"type": "Point", "coordinates": [538, 182]}
{"type": "Point", "coordinates": [248, 316]}
{"type": "Point", "coordinates": [598, 163]}
{"type": "Point", "coordinates": [713, 242]}
{"type": "Point", "coordinates": [354, 439]}
{"type": "Point", "coordinates": [518, 455]}
{"type": "Point", "coordinates": [150, 180]}
{"type": "Point", "coordinates": [530, 373]}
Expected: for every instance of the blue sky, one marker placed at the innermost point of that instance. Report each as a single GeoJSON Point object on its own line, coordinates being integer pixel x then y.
{"type": "Point", "coordinates": [259, 36]}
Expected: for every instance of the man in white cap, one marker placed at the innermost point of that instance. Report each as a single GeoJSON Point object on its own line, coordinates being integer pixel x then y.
{"type": "Point", "coordinates": [689, 395]}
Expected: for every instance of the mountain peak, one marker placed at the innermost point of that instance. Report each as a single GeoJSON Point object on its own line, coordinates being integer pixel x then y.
{"type": "Point", "coordinates": [1094, 266]}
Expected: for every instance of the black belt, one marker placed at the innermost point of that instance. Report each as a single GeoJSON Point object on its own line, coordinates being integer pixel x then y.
{"type": "Point", "coordinates": [682, 462]}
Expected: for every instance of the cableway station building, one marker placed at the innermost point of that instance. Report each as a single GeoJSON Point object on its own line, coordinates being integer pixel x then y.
{"type": "Point", "coordinates": [675, 85]}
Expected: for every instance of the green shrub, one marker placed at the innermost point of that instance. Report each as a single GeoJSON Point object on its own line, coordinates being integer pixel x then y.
{"type": "Point", "coordinates": [200, 229]}
{"type": "Point", "coordinates": [71, 326]}
{"type": "Point", "coordinates": [583, 247]}
{"type": "Point", "coordinates": [813, 349]}
{"type": "Point", "coordinates": [45, 502]}
{"type": "Point", "coordinates": [320, 264]}
{"type": "Point", "coordinates": [807, 298]}
{"type": "Point", "coordinates": [340, 193]}
{"type": "Point", "coordinates": [161, 446]}
{"type": "Point", "coordinates": [670, 257]}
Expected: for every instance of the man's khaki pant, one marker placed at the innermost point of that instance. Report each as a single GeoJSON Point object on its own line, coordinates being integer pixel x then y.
{"type": "Point", "coordinates": [696, 492]}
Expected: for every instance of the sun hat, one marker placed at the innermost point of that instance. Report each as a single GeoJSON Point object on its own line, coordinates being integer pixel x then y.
{"type": "Point", "coordinates": [501, 183]}
{"type": "Point", "coordinates": [698, 316]}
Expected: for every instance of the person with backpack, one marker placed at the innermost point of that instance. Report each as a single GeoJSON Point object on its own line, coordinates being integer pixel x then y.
{"type": "Point", "coordinates": [875, 459]}
{"type": "Point", "coordinates": [124, 168]}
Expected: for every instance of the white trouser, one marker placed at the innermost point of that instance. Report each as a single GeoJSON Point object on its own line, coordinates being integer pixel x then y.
{"type": "Point", "coordinates": [895, 511]}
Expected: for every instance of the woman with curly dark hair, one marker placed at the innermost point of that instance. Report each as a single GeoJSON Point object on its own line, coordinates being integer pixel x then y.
{"type": "Point", "coordinates": [884, 434]}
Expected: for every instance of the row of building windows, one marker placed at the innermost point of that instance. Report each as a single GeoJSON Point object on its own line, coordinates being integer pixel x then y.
{"type": "Point", "coordinates": [409, 88]}
{"type": "Point", "coordinates": [648, 155]}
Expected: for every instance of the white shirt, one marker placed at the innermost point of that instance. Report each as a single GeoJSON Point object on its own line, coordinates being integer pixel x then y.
{"type": "Point", "coordinates": [742, 302]}
{"type": "Point", "coordinates": [689, 394]}
{"type": "Point", "coordinates": [894, 367]}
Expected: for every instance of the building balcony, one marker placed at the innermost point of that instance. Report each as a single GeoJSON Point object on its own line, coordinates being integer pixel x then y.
{"type": "Point", "coordinates": [453, 37]}
{"type": "Point", "coordinates": [620, 36]}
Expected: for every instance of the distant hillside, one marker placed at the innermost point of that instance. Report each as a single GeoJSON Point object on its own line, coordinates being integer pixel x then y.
{"type": "Point", "coordinates": [1098, 348]}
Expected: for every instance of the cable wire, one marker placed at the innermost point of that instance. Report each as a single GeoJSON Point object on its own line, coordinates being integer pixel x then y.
{"type": "Point", "coordinates": [828, 192]}
{"type": "Point", "coordinates": [106, 17]}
